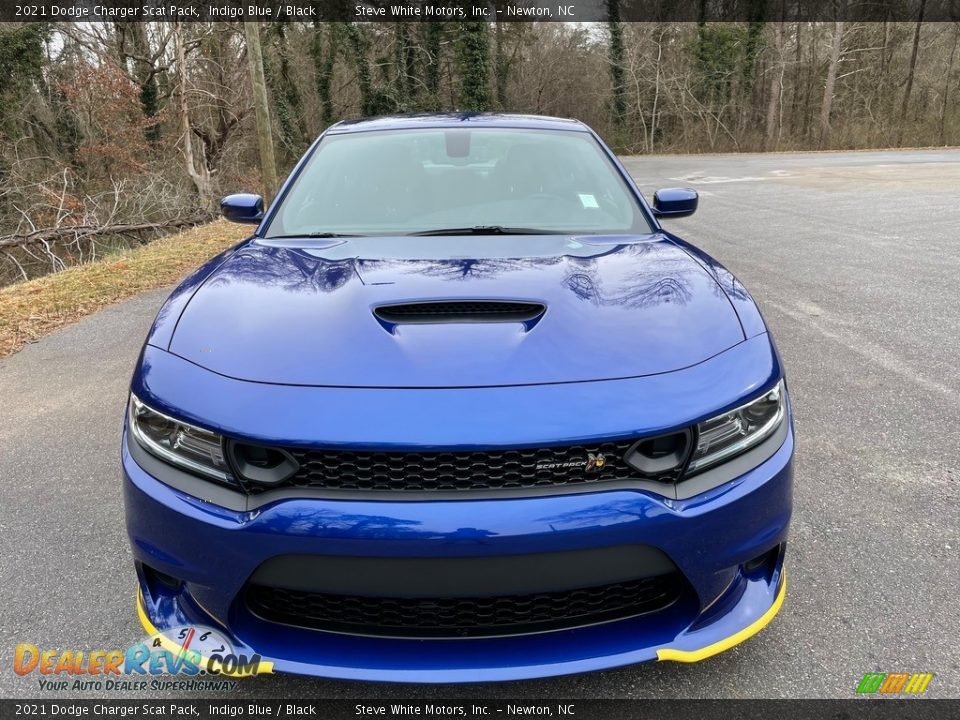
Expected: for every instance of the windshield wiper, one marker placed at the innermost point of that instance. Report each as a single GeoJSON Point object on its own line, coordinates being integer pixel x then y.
{"type": "Point", "coordinates": [311, 235]}
{"type": "Point", "coordinates": [488, 230]}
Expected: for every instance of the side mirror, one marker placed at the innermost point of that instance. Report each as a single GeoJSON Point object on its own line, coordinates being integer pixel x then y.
{"type": "Point", "coordinates": [242, 208]}
{"type": "Point", "coordinates": [675, 202]}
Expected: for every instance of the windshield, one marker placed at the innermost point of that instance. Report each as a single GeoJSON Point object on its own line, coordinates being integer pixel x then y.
{"type": "Point", "coordinates": [406, 182]}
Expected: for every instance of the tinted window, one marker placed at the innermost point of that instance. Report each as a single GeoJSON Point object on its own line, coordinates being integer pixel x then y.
{"type": "Point", "coordinates": [401, 182]}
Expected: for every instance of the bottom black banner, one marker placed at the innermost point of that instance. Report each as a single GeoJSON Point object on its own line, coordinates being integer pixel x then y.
{"type": "Point", "coordinates": [443, 709]}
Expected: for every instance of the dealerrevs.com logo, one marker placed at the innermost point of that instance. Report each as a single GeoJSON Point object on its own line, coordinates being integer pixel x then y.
{"type": "Point", "coordinates": [184, 652]}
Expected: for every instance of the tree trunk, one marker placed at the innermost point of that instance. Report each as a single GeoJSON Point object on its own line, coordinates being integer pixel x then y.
{"type": "Point", "coordinates": [198, 172]}
{"type": "Point", "coordinates": [73, 233]}
{"type": "Point", "coordinates": [656, 87]}
{"type": "Point", "coordinates": [268, 165]}
{"type": "Point", "coordinates": [285, 96]}
{"type": "Point", "coordinates": [500, 66]}
{"type": "Point", "coordinates": [358, 45]}
{"type": "Point", "coordinates": [617, 55]}
{"type": "Point", "coordinates": [403, 74]}
{"type": "Point", "coordinates": [753, 44]}
{"type": "Point", "coordinates": [473, 61]}
{"type": "Point", "coordinates": [884, 59]}
{"type": "Point", "coordinates": [946, 86]}
{"type": "Point", "coordinates": [796, 123]}
{"type": "Point", "coordinates": [905, 106]}
{"type": "Point", "coordinates": [827, 103]}
{"type": "Point", "coordinates": [434, 32]}
{"type": "Point", "coordinates": [140, 55]}
{"type": "Point", "coordinates": [410, 64]}
{"type": "Point", "coordinates": [776, 89]}
{"type": "Point", "coordinates": [323, 67]}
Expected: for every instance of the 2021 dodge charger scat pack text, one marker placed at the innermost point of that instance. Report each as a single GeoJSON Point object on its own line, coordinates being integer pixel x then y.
{"type": "Point", "coordinates": [460, 410]}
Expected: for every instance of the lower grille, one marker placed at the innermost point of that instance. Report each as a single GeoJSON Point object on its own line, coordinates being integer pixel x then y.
{"type": "Point", "coordinates": [462, 616]}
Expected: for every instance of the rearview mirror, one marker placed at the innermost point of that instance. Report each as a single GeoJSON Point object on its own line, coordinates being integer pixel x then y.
{"type": "Point", "coordinates": [675, 202]}
{"type": "Point", "coordinates": [242, 208]}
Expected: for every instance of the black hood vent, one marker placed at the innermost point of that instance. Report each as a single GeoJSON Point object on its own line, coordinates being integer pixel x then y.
{"type": "Point", "coordinates": [459, 311]}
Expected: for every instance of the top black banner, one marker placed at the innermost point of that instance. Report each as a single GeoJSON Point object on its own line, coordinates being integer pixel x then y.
{"type": "Point", "coordinates": [480, 10]}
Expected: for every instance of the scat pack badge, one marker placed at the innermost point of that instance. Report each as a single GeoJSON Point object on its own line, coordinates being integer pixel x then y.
{"type": "Point", "coordinates": [595, 462]}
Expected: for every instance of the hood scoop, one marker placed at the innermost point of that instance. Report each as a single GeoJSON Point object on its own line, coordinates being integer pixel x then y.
{"type": "Point", "coordinates": [459, 311]}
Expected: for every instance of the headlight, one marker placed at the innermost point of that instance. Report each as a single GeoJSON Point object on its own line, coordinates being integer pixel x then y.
{"type": "Point", "coordinates": [722, 437]}
{"type": "Point", "coordinates": [195, 449]}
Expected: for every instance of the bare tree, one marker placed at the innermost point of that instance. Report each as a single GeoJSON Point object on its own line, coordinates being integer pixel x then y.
{"type": "Point", "coordinates": [905, 106]}
{"type": "Point", "coordinates": [198, 171]}
{"type": "Point", "coordinates": [775, 89]}
{"type": "Point", "coordinates": [828, 87]}
{"type": "Point", "coordinates": [268, 165]}
{"type": "Point", "coordinates": [948, 83]}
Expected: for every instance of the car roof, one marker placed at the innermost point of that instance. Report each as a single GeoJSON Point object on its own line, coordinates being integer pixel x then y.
{"type": "Point", "coordinates": [456, 119]}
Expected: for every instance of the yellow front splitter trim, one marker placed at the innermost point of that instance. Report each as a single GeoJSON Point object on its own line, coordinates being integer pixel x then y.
{"type": "Point", "coordinates": [690, 656]}
{"type": "Point", "coordinates": [264, 666]}
{"type": "Point", "coordinates": [665, 654]}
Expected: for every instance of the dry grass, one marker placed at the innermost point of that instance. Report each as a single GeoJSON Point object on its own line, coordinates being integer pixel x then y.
{"type": "Point", "coordinates": [30, 310]}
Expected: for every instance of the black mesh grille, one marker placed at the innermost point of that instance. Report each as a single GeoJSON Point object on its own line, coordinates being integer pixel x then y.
{"type": "Point", "coordinates": [462, 311]}
{"type": "Point", "coordinates": [464, 617]}
{"type": "Point", "coordinates": [459, 471]}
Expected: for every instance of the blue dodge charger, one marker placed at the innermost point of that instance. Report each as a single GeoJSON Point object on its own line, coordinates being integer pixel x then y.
{"type": "Point", "coordinates": [460, 409]}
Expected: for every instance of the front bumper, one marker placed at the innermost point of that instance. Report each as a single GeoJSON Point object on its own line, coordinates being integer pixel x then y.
{"type": "Point", "coordinates": [714, 539]}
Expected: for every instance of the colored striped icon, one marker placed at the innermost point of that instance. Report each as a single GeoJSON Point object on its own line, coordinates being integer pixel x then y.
{"type": "Point", "coordinates": [894, 683]}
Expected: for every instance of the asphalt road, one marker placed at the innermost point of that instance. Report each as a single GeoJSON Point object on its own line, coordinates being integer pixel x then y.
{"type": "Point", "coordinates": [854, 259]}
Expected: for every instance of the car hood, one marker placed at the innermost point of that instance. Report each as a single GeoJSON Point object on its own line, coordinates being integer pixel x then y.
{"type": "Point", "coordinates": [615, 308]}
